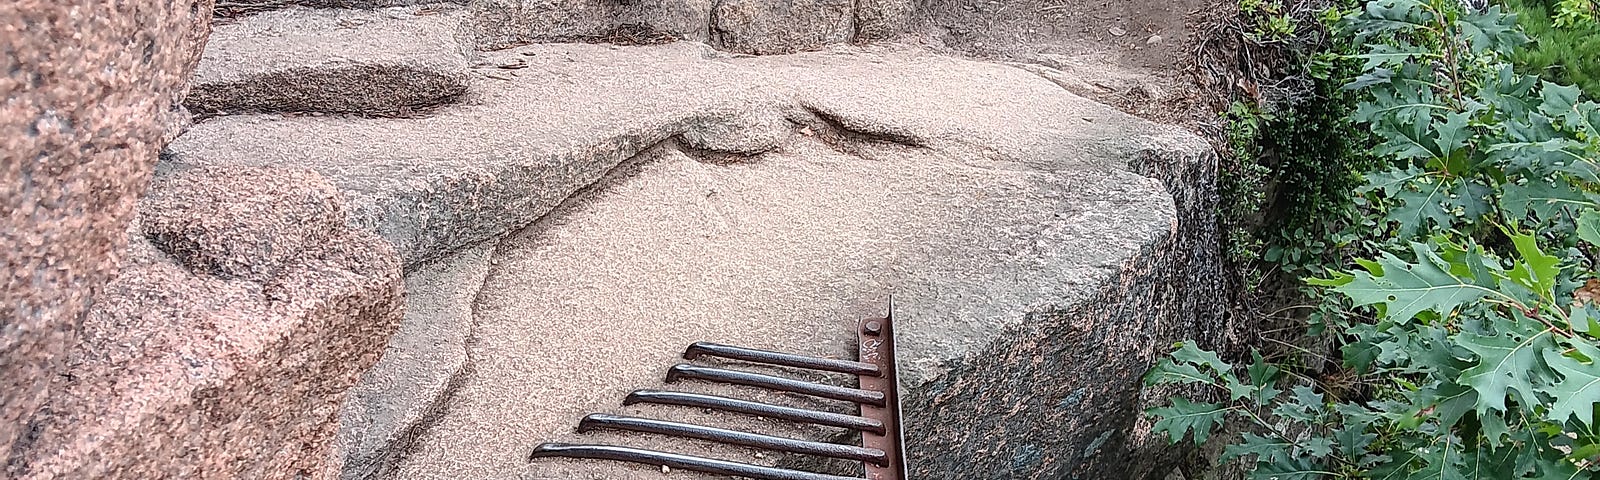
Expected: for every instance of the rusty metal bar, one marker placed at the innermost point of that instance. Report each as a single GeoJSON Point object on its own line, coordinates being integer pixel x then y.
{"type": "Point", "coordinates": [673, 460]}
{"type": "Point", "coordinates": [708, 349]}
{"type": "Point", "coordinates": [687, 371]}
{"type": "Point", "coordinates": [735, 405]}
{"type": "Point", "coordinates": [877, 346]}
{"type": "Point", "coordinates": [599, 421]}
{"type": "Point", "coordinates": [882, 448]}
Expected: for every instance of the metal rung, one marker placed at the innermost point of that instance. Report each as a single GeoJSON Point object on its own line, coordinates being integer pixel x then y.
{"type": "Point", "coordinates": [708, 349]}
{"type": "Point", "coordinates": [673, 460]}
{"type": "Point", "coordinates": [720, 375]}
{"type": "Point", "coordinates": [882, 448]}
{"type": "Point", "coordinates": [646, 425]}
{"type": "Point", "coordinates": [735, 405]}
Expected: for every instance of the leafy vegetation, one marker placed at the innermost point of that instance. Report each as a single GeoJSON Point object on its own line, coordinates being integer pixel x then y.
{"type": "Point", "coordinates": [1271, 20]}
{"type": "Point", "coordinates": [1573, 13]}
{"type": "Point", "coordinates": [1293, 152]}
{"type": "Point", "coordinates": [1567, 46]}
{"type": "Point", "coordinates": [1468, 312]}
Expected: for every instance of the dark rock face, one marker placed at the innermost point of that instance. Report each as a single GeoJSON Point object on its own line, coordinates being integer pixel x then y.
{"type": "Point", "coordinates": [1040, 397]}
{"type": "Point", "coordinates": [93, 90]}
{"type": "Point", "coordinates": [231, 361]}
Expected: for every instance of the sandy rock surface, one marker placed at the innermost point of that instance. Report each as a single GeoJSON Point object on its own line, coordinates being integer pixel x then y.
{"type": "Point", "coordinates": [796, 191]}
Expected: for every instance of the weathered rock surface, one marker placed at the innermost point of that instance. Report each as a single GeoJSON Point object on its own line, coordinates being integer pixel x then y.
{"type": "Point", "coordinates": [1029, 30]}
{"type": "Point", "coordinates": [765, 27]}
{"type": "Point", "coordinates": [91, 94]}
{"type": "Point", "coordinates": [497, 24]}
{"type": "Point", "coordinates": [181, 373]}
{"type": "Point", "coordinates": [780, 252]}
{"type": "Point", "coordinates": [687, 19]}
{"type": "Point", "coordinates": [476, 171]}
{"type": "Point", "coordinates": [742, 26]}
{"type": "Point", "coordinates": [269, 219]}
{"type": "Point", "coordinates": [234, 8]}
{"type": "Point", "coordinates": [408, 388]}
{"type": "Point", "coordinates": [387, 62]}
{"type": "Point", "coordinates": [883, 19]}
{"type": "Point", "coordinates": [767, 201]}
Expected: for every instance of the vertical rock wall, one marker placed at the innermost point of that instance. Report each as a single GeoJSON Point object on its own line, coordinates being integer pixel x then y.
{"type": "Point", "coordinates": [1039, 394]}
{"type": "Point", "coordinates": [246, 310]}
{"type": "Point", "coordinates": [91, 93]}
{"type": "Point", "coordinates": [216, 337]}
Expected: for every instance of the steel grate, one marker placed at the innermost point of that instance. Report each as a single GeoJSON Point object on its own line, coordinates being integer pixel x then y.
{"type": "Point", "coordinates": [881, 450]}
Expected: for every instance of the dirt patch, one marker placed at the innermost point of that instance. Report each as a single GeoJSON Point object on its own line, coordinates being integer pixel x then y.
{"type": "Point", "coordinates": [1151, 34]}
{"type": "Point", "coordinates": [1138, 56]}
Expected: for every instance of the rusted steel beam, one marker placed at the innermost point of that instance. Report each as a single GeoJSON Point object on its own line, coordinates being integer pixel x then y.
{"type": "Point", "coordinates": [707, 349]}
{"type": "Point", "coordinates": [696, 400]}
{"type": "Point", "coordinates": [882, 449]}
{"type": "Point", "coordinates": [673, 460]}
{"type": "Point", "coordinates": [599, 421]}
{"type": "Point", "coordinates": [695, 372]}
{"type": "Point", "coordinates": [877, 346]}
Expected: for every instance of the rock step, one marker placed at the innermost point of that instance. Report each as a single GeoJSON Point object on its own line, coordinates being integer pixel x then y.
{"type": "Point", "coordinates": [762, 27]}
{"type": "Point", "coordinates": [530, 138]}
{"type": "Point", "coordinates": [399, 61]}
{"type": "Point", "coordinates": [780, 252]}
{"type": "Point", "coordinates": [761, 201]}
{"type": "Point", "coordinates": [743, 26]}
{"type": "Point", "coordinates": [566, 114]}
{"type": "Point", "coordinates": [422, 362]}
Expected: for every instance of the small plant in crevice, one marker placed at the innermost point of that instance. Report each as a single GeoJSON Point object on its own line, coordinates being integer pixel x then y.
{"type": "Point", "coordinates": [1468, 333]}
{"type": "Point", "coordinates": [1269, 20]}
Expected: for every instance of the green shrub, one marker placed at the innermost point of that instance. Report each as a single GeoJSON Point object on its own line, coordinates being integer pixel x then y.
{"type": "Point", "coordinates": [1566, 46]}
{"type": "Point", "coordinates": [1469, 327]}
{"type": "Point", "coordinates": [1293, 159]}
{"type": "Point", "coordinates": [1574, 13]}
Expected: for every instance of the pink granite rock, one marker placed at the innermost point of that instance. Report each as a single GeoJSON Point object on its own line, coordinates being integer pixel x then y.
{"type": "Point", "coordinates": [91, 93]}
{"type": "Point", "coordinates": [224, 348]}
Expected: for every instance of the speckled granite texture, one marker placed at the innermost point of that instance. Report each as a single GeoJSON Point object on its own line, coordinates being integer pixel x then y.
{"type": "Point", "coordinates": [1043, 250]}
{"type": "Point", "coordinates": [197, 364]}
{"type": "Point", "coordinates": [91, 94]}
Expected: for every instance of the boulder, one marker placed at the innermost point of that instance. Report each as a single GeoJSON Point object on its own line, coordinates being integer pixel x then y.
{"type": "Point", "coordinates": [686, 19]}
{"type": "Point", "coordinates": [1032, 240]}
{"type": "Point", "coordinates": [768, 27]}
{"type": "Point", "coordinates": [92, 94]}
{"type": "Point", "coordinates": [186, 370]}
{"type": "Point", "coordinates": [883, 19]}
{"type": "Point", "coordinates": [389, 62]}
{"type": "Point", "coordinates": [220, 229]}
{"type": "Point", "coordinates": [498, 24]}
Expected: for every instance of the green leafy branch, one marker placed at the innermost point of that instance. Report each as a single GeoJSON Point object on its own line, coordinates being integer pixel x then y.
{"type": "Point", "coordinates": [1475, 342]}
